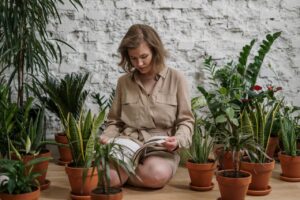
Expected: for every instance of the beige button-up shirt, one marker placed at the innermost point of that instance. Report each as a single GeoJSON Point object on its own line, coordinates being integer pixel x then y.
{"type": "Point", "coordinates": [166, 111]}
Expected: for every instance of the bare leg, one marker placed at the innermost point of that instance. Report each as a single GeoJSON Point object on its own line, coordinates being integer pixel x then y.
{"type": "Point", "coordinates": [114, 177]}
{"type": "Point", "coordinates": [155, 172]}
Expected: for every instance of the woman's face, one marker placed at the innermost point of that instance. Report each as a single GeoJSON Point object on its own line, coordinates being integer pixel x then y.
{"type": "Point", "coordinates": [141, 58]}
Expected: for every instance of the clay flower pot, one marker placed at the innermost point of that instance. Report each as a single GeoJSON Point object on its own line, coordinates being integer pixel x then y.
{"type": "Point", "coordinates": [201, 175]}
{"type": "Point", "coordinates": [290, 167]}
{"type": "Point", "coordinates": [116, 194]}
{"type": "Point", "coordinates": [26, 196]}
{"type": "Point", "coordinates": [261, 173]}
{"type": "Point", "coordinates": [64, 152]}
{"type": "Point", "coordinates": [232, 188]}
{"type": "Point", "coordinates": [224, 158]}
{"type": "Point", "coordinates": [75, 179]}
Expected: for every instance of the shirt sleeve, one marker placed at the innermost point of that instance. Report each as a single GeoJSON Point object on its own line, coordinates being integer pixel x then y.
{"type": "Point", "coordinates": [185, 119]}
{"type": "Point", "coordinates": [114, 122]}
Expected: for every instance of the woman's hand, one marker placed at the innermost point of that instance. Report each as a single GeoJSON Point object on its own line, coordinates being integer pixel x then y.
{"type": "Point", "coordinates": [104, 139]}
{"type": "Point", "coordinates": [171, 143]}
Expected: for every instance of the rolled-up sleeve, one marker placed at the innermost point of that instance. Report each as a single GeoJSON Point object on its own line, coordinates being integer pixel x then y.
{"type": "Point", "coordinates": [114, 122]}
{"type": "Point", "coordinates": [185, 119]}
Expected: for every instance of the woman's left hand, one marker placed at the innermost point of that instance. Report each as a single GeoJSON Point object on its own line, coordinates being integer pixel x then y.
{"type": "Point", "coordinates": [171, 143]}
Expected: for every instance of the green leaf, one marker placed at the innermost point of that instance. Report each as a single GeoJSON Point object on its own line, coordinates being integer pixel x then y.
{"type": "Point", "coordinates": [221, 119]}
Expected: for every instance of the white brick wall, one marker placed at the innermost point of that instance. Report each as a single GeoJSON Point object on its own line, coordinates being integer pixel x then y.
{"type": "Point", "coordinates": [190, 29]}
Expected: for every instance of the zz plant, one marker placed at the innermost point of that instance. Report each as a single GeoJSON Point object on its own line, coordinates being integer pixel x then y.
{"type": "Point", "coordinates": [229, 83]}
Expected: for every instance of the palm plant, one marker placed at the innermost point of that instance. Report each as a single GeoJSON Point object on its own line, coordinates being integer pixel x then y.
{"type": "Point", "coordinates": [239, 141]}
{"type": "Point", "coordinates": [25, 43]}
{"type": "Point", "coordinates": [63, 96]}
{"type": "Point", "coordinates": [106, 156]}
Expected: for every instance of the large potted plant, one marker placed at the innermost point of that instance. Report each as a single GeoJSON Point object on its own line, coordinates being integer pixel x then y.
{"type": "Point", "coordinates": [226, 102]}
{"type": "Point", "coordinates": [234, 183]}
{"type": "Point", "coordinates": [107, 156]}
{"type": "Point", "coordinates": [18, 181]}
{"type": "Point", "coordinates": [260, 119]}
{"type": "Point", "coordinates": [201, 166]}
{"type": "Point", "coordinates": [82, 138]}
{"type": "Point", "coordinates": [62, 96]}
{"type": "Point", "coordinates": [26, 47]}
{"type": "Point", "coordinates": [31, 140]}
{"type": "Point", "coordinates": [229, 85]}
{"type": "Point", "coordinates": [290, 156]}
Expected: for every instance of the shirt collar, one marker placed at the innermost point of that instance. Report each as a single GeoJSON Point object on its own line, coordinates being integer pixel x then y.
{"type": "Point", "coordinates": [162, 73]}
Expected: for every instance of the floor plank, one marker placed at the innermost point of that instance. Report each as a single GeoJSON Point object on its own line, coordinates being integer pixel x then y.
{"type": "Point", "coordinates": [177, 189]}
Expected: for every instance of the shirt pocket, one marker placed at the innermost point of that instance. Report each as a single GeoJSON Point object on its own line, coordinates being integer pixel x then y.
{"type": "Point", "coordinates": [166, 107]}
{"type": "Point", "coordinates": [130, 110]}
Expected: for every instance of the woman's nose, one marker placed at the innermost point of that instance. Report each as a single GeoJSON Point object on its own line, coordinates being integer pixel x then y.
{"type": "Point", "coordinates": [139, 62]}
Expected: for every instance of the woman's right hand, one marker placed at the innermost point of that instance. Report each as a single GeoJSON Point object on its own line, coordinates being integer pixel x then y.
{"type": "Point", "coordinates": [104, 139]}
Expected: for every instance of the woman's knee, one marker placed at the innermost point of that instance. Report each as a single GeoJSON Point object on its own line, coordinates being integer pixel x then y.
{"type": "Point", "coordinates": [155, 173]}
{"type": "Point", "coordinates": [117, 179]}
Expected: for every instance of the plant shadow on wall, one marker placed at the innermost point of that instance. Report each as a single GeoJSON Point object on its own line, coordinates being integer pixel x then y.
{"type": "Point", "coordinates": [230, 86]}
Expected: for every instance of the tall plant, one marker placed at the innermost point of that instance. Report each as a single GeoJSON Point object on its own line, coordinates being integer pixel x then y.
{"type": "Point", "coordinates": [230, 82]}
{"type": "Point", "coordinates": [25, 44]}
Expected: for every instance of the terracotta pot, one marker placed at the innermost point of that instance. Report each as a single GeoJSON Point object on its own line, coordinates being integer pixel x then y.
{"type": "Point", "coordinates": [224, 158]}
{"type": "Point", "coordinates": [201, 175]}
{"type": "Point", "coordinates": [97, 194]}
{"type": "Point", "coordinates": [65, 152]}
{"type": "Point", "coordinates": [290, 167]}
{"type": "Point", "coordinates": [273, 143]}
{"type": "Point", "coordinates": [233, 188]}
{"type": "Point", "coordinates": [41, 167]}
{"type": "Point", "coordinates": [261, 174]}
{"type": "Point", "coordinates": [26, 196]}
{"type": "Point", "coordinates": [75, 176]}
{"type": "Point", "coordinates": [80, 197]}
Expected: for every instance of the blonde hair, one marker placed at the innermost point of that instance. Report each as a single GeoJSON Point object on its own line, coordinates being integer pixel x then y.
{"type": "Point", "coordinates": [137, 34]}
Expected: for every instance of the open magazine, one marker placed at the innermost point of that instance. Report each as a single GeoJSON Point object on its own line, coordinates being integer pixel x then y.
{"type": "Point", "coordinates": [135, 151]}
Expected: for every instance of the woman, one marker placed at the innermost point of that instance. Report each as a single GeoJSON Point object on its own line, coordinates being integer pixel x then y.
{"type": "Point", "coordinates": [151, 100]}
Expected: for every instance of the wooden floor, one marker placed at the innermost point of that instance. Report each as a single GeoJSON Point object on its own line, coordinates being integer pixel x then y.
{"type": "Point", "coordinates": [177, 189]}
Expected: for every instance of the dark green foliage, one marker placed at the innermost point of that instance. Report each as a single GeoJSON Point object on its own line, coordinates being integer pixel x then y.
{"type": "Point", "coordinates": [290, 130]}
{"type": "Point", "coordinates": [103, 102]}
{"type": "Point", "coordinates": [62, 96]}
{"type": "Point", "coordinates": [21, 177]}
{"type": "Point", "coordinates": [203, 139]}
{"type": "Point", "coordinates": [25, 44]}
{"type": "Point", "coordinates": [82, 136]}
{"type": "Point", "coordinates": [107, 156]}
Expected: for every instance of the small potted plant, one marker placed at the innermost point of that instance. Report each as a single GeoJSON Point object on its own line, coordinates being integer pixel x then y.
{"type": "Point", "coordinates": [18, 181]}
{"type": "Point", "coordinates": [29, 141]}
{"type": "Point", "coordinates": [290, 156]}
{"type": "Point", "coordinates": [107, 156]}
{"type": "Point", "coordinates": [82, 138]}
{"type": "Point", "coordinates": [201, 166]}
{"type": "Point", "coordinates": [260, 119]}
{"type": "Point", "coordinates": [62, 96]}
{"type": "Point", "coordinates": [234, 183]}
